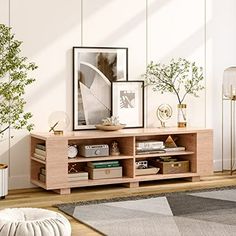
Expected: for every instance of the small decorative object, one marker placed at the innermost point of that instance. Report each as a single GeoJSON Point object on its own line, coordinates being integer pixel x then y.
{"type": "Point", "coordinates": [115, 148]}
{"type": "Point", "coordinates": [228, 124]}
{"type": "Point", "coordinates": [96, 150]}
{"type": "Point", "coordinates": [164, 112]}
{"type": "Point", "coordinates": [58, 122]}
{"type": "Point", "coordinates": [181, 77]}
{"type": "Point", "coordinates": [72, 151]}
{"type": "Point", "coordinates": [73, 168]}
{"type": "Point", "coordinates": [110, 124]}
{"type": "Point", "coordinates": [113, 120]}
{"type": "Point", "coordinates": [128, 102]}
{"type": "Point", "coordinates": [94, 69]}
{"type": "Point", "coordinates": [170, 143]}
{"type": "Point", "coordinates": [141, 164]}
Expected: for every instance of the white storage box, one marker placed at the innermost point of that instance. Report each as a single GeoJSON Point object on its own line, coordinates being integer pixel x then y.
{"type": "Point", "coordinates": [3, 180]}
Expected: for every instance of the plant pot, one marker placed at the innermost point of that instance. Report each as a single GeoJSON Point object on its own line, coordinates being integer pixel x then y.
{"type": "Point", "coordinates": [182, 115]}
{"type": "Point", "coordinates": [3, 180]}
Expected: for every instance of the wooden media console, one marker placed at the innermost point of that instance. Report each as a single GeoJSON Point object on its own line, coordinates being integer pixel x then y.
{"type": "Point", "coordinates": [198, 151]}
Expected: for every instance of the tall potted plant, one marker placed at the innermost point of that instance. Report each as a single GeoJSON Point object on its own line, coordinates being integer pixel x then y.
{"type": "Point", "coordinates": [14, 69]}
{"type": "Point", "coordinates": [180, 77]}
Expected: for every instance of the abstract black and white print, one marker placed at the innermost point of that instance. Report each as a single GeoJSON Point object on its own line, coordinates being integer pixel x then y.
{"type": "Point", "coordinates": [128, 102]}
{"type": "Point", "coordinates": [127, 99]}
{"type": "Point", "coordinates": [94, 71]}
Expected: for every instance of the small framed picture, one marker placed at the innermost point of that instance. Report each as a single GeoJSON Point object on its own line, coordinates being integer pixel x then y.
{"type": "Point", "coordinates": [94, 69]}
{"type": "Point", "coordinates": [128, 103]}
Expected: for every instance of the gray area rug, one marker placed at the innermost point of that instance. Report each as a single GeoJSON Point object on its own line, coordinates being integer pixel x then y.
{"type": "Point", "coordinates": [202, 213]}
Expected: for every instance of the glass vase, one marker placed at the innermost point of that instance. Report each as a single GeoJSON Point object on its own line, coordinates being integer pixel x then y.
{"type": "Point", "coordinates": [182, 115]}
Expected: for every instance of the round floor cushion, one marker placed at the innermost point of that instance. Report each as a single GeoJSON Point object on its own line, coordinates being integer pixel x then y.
{"type": "Point", "coordinates": [33, 222]}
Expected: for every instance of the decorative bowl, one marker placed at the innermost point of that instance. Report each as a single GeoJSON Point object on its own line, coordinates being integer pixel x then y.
{"type": "Point", "coordinates": [110, 127]}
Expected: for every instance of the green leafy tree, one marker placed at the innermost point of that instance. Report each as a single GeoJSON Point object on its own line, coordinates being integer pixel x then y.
{"type": "Point", "coordinates": [14, 70]}
{"type": "Point", "coordinates": [179, 77]}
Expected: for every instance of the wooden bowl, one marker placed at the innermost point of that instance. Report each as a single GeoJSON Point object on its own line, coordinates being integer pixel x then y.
{"type": "Point", "coordinates": [110, 127]}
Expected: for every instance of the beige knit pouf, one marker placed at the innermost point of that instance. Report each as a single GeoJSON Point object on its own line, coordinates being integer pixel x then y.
{"type": "Point", "coordinates": [33, 222]}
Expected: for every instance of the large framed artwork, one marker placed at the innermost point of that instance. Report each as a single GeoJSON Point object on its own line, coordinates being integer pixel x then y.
{"type": "Point", "coordinates": [94, 69]}
{"type": "Point", "coordinates": [128, 103]}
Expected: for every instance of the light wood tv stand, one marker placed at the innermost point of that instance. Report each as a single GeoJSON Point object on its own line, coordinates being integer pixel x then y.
{"type": "Point", "coordinates": [198, 143]}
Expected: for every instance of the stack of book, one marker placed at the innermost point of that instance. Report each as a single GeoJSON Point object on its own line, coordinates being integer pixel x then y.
{"type": "Point", "coordinates": [40, 152]}
{"type": "Point", "coordinates": [81, 175]}
{"type": "Point", "coordinates": [104, 169]}
{"type": "Point", "coordinates": [103, 164]}
{"type": "Point", "coordinates": [42, 174]}
{"type": "Point", "coordinates": [149, 147]}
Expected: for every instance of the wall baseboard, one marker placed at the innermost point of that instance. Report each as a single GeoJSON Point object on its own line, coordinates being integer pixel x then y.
{"type": "Point", "coordinates": [19, 182]}
{"type": "Point", "coordinates": [217, 165]}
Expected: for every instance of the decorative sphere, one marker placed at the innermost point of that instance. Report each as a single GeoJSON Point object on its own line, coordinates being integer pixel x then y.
{"type": "Point", "coordinates": [58, 120]}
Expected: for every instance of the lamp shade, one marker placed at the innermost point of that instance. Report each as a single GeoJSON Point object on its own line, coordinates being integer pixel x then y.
{"type": "Point", "coordinates": [229, 83]}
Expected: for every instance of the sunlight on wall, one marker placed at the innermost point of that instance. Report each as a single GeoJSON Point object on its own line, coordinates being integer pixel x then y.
{"type": "Point", "coordinates": [166, 29]}
{"type": "Point", "coordinates": [220, 47]}
{"type": "Point", "coordinates": [177, 30]}
{"type": "Point", "coordinates": [118, 24]}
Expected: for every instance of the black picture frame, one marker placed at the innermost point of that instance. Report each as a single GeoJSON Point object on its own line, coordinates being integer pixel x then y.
{"type": "Point", "coordinates": [128, 102]}
{"type": "Point", "coordinates": [94, 70]}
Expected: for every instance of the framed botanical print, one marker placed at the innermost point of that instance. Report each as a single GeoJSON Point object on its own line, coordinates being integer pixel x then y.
{"type": "Point", "coordinates": [128, 103]}
{"type": "Point", "coordinates": [94, 70]}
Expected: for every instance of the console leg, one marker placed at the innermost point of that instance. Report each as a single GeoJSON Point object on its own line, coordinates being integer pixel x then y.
{"type": "Point", "coordinates": [194, 179]}
{"type": "Point", "coordinates": [62, 191]}
{"type": "Point", "coordinates": [132, 185]}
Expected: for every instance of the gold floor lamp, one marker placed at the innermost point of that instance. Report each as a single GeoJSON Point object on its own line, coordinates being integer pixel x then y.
{"type": "Point", "coordinates": [229, 97]}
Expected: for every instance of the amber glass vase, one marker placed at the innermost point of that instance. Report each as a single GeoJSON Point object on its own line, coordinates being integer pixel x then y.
{"type": "Point", "coordinates": [182, 115]}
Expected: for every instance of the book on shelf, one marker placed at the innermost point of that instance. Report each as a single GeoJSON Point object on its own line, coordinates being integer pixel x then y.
{"type": "Point", "coordinates": [148, 151]}
{"type": "Point", "coordinates": [103, 164]}
{"type": "Point", "coordinates": [174, 149]}
{"type": "Point", "coordinates": [78, 174]}
{"type": "Point", "coordinates": [42, 170]}
{"type": "Point", "coordinates": [41, 146]}
{"type": "Point", "coordinates": [81, 175]}
{"type": "Point", "coordinates": [149, 144]}
{"type": "Point", "coordinates": [78, 178]}
{"type": "Point", "coordinates": [42, 177]}
{"type": "Point", "coordinates": [139, 149]}
{"type": "Point", "coordinates": [40, 152]}
{"type": "Point", "coordinates": [38, 156]}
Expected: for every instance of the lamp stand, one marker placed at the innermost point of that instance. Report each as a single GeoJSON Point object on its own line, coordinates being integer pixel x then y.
{"type": "Point", "coordinates": [232, 100]}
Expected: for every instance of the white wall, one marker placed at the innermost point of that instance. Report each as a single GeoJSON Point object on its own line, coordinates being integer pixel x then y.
{"type": "Point", "coordinates": [176, 29]}
{"type": "Point", "coordinates": [221, 53]}
{"type": "Point", "coordinates": [152, 30]}
{"type": "Point", "coordinates": [48, 29]}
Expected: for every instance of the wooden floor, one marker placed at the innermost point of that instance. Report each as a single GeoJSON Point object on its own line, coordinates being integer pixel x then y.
{"type": "Point", "coordinates": [37, 197]}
